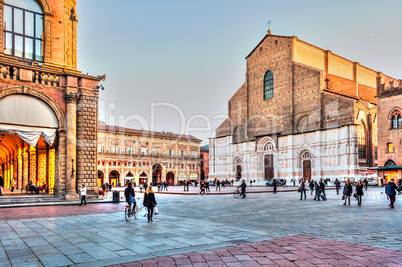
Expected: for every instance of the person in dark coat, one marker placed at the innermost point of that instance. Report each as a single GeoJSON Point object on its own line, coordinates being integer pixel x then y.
{"type": "Point", "coordinates": [243, 188]}
{"type": "Point", "coordinates": [218, 185]}
{"type": "Point", "coordinates": [317, 191]}
{"type": "Point", "coordinates": [1, 185]}
{"type": "Point", "coordinates": [129, 191]}
{"type": "Point", "coordinates": [390, 190]}
{"type": "Point", "coordinates": [149, 202]}
{"type": "Point", "coordinates": [207, 186]}
{"type": "Point", "coordinates": [275, 184]}
{"type": "Point", "coordinates": [322, 188]}
{"type": "Point", "coordinates": [347, 191]}
{"type": "Point", "coordinates": [145, 186]}
{"type": "Point", "coordinates": [303, 189]}
{"type": "Point", "coordinates": [359, 192]}
{"type": "Point", "coordinates": [337, 185]}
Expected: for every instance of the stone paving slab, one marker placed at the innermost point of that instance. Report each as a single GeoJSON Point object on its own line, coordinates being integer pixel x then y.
{"type": "Point", "coordinates": [294, 250]}
{"type": "Point", "coordinates": [90, 237]}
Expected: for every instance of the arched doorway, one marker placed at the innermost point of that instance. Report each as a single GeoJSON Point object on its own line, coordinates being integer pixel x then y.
{"type": "Point", "coordinates": [238, 172]}
{"type": "Point", "coordinates": [306, 158]}
{"type": "Point", "coordinates": [101, 178]}
{"type": "Point", "coordinates": [156, 173]}
{"type": "Point", "coordinates": [269, 167]}
{"type": "Point", "coordinates": [170, 178]}
{"type": "Point", "coordinates": [114, 178]}
{"type": "Point", "coordinates": [391, 172]}
{"type": "Point", "coordinates": [27, 149]}
{"type": "Point", "coordinates": [129, 177]}
{"type": "Point", "coordinates": [143, 177]}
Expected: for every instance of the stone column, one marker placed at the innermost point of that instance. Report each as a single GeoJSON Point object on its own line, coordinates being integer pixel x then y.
{"type": "Point", "coordinates": [71, 144]}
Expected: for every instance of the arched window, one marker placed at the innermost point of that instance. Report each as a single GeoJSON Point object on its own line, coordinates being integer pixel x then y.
{"type": "Point", "coordinates": [268, 147]}
{"type": "Point", "coordinates": [361, 141]}
{"type": "Point", "coordinates": [302, 126]}
{"type": "Point", "coordinates": [306, 155]}
{"type": "Point", "coordinates": [268, 85]}
{"type": "Point", "coordinates": [399, 121]}
{"type": "Point", "coordinates": [394, 122]}
{"type": "Point", "coordinates": [390, 148]}
{"type": "Point", "coordinates": [23, 29]}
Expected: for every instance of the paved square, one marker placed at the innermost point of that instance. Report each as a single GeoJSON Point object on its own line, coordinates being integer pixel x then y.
{"type": "Point", "coordinates": [195, 223]}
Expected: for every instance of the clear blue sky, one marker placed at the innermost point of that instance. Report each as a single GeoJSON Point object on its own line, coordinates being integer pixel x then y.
{"type": "Point", "coordinates": [192, 53]}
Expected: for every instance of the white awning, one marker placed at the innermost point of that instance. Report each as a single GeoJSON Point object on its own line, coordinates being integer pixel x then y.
{"type": "Point", "coordinates": [29, 118]}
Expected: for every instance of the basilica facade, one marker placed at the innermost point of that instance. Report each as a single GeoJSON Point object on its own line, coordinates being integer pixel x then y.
{"type": "Point", "coordinates": [49, 109]}
{"type": "Point", "coordinates": [303, 112]}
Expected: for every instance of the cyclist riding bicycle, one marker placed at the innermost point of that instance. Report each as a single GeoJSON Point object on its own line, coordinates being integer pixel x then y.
{"type": "Point", "coordinates": [130, 195]}
{"type": "Point", "coordinates": [243, 188]}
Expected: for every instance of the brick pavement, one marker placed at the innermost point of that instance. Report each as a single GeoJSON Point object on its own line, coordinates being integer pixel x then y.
{"type": "Point", "coordinates": [294, 250]}
{"type": "Point", "coordinates": [56, 211]}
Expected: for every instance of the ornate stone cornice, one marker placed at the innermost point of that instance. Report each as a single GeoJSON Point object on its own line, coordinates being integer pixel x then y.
{"type": "Point", "coordinates": [72, 97]}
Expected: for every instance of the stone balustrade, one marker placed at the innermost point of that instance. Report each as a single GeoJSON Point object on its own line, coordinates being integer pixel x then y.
{"type": "Point", "coordinates": [29, 75]}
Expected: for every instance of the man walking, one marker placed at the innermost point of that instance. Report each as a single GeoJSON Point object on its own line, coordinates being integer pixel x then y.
{"type": "Point", "coordinates": [207, 186]}
{"type": "Point", "coordinates": [218, 185]}
{"type": "Point", "coordinates": [303, 189]}
{"type": "Point", "coordinates": [337, 185]}
{"type": "Point", "coordinates": [322, 188]}
{"type": "Point", "coordinates": [275, 184]}
{"type": "Point", "coordinates": [83, 195]}
{"type": "Point", "coordinates": [390, 191]}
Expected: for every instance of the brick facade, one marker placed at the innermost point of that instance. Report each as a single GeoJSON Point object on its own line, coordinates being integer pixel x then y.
{"type": "Point", "coordinates": [315, 92]}
{"type": "Point", "coordinates": [71, 95]}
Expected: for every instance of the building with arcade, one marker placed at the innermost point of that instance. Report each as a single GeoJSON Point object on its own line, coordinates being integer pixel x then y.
{"type": "Point", "coordinates": [146, 156]}
{"type": "Point", "coordinates": [49, 109]}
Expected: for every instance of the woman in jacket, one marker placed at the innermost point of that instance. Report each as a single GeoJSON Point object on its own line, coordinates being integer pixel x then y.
{"type": "Point", "coordinates": [359, 192]}
{"type": "Point", "coordinates": [149, 202]}
{"type": "Point", "coordinates": [347, 191]}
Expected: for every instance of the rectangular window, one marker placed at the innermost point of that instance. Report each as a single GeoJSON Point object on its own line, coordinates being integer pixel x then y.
{"type": "Point", "coordinates": [19, 46]}
{"type": "Point", "coordinates": [39, 26]}
{"type": "Point", "coordinates": [110, 149]}
{"type": "Point", "coordinates": [18, 21]}
{"type": "Point", "coordinates": [170, 153]}
{"type": "Point", "coordinates": [29, 53]}
{"type": "Point", "coordinates": [29, 24]}
{"type": "Point", "coordinates": [103, 149]}
{"type": "Point", "coordinates": [114, 163]}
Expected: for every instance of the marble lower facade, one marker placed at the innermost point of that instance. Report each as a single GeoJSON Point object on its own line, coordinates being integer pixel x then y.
{"type": "Point", "coordinates": [328, 153]}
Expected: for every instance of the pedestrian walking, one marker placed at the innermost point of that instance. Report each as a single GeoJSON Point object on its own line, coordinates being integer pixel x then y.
{"type": "Point", "coordinates": [347, 191]}
{"type": "Point", "coordinates": [311, 186]}
{"type": "Point", "coordinates": [294, 182]}
{"type": "Point", "coordinates": [140, 188]}
{"type": "Point", "coordinates": [302, 188]}
{"type": "Point", "coordinates": [145, 186]}
{"type": "Point", "coordinates": [188, 184]}
{"type": "Point", "coordinates": [166, 184]}
{"type": "Point", "coordinates": [185, 183]}
{"type": "Point", "coordinates": [202, 188]}
{"type": "Point", "coordinates": [390, 191]}
{"type": "Point", "coordinates": [365, 183]}
{"type": "Point", "coordinates": [150, 202]}
{"type": "Point", "coordinates": [359, 192]}
{"type": "Point", "coordinates": [322, 188]}
{"type": "Point", "coordinates": [83, 195]}
{"type": "Point", "coordinates": [251, 183]}
{"type": "Point", "coordinates": [218, 185]}
{"type": "Point", "coordinates": [1, 185]}
{"type": "Point", "coordinates": [337, 185]}
{"type": "Point", "coordinates": [275, 184]}
{"type": "Point", "coordinates": [317, 191]}
{"type": "Point", "coordinates": [207, 186]}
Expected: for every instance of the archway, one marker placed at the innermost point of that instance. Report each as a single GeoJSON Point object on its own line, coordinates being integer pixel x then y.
{"type": "Point", "coordinates": [114, 178]}
{"type": "Point", "coordinates": [101, 178]}
{"type": "Point", "coordinates": [143, 177]}
{"type": "Point", "coordinates": [27, 149]}
{"type": "Point", "coordinates": [156, 173]}
{"type": "Point", "coordinates": [238, 172]}
{"type": "Point", "coordinates": [306, 159]}
{"type": "Point", "coordinates": [129, 177]}
{"type": "Point", "coordinates": [269, 167]}
{"type": "Point", "coordinates": [170, 178]}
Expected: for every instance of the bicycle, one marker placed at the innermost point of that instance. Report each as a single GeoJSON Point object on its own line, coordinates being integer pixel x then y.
{"type": "Point", "coordinates": [238, 193]}
{"type": "Point", "coordinates": [131, 212]}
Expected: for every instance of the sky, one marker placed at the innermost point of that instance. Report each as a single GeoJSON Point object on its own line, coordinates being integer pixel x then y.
{"type": "Point", "coordinates": [172, 65]}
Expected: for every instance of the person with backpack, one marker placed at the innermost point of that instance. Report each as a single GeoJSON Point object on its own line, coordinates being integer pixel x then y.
{"type": "Point", "coordinates": [390, 191]}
